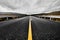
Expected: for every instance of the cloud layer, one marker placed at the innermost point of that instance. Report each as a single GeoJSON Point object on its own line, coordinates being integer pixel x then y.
{"type": "Point", "coordinates": [29, 6]}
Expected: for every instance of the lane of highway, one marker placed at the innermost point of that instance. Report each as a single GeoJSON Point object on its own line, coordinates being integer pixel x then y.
{"type": "Point", "coordinates": [14, 29]}
{"type": "Point", "coordinates": [45, 29]}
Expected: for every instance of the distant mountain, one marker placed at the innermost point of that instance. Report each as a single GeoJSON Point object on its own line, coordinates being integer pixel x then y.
{"type": "Point", "coordinates": [51, 13]}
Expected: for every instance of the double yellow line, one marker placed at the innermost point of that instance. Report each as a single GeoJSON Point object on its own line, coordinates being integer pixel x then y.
{"type": "Point", "coordinates": [30, 30]}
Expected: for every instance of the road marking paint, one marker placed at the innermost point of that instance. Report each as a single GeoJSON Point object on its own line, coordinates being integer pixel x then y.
{"type": "Point", "coordinates": [30, 31]}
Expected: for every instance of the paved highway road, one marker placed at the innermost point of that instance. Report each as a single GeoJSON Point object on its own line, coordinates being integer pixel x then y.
{"type": "Point", "coordinates": [18, 29]}
{"type": "Point", "coordinates": [45, 29]}
{"type": "Point", "coordinates": [15, 29]}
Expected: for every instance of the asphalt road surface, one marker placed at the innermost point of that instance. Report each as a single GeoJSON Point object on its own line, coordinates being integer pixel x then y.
{"type": "Point", "coordinates": [17, 29]}
{"type": "Point", "coordinates": [14, 29]}
{"type": "Point", "coordinates": [45, 29]}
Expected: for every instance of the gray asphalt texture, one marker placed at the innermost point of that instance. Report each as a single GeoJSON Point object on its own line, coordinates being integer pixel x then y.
{"type": "Point", "coordinates": [17, 29]}
{"type": "Point", "coordinates": [14, 29]}
{"type": "Point", "coordinates": [45, 29]}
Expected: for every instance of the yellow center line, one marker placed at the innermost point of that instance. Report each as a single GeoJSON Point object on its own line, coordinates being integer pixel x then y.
{"type": "Point", "coordinates": [30, 31]}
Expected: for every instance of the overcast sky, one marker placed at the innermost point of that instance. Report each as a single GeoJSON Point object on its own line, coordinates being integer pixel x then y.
{"type": "Point", "coordinates": [29, 6]}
